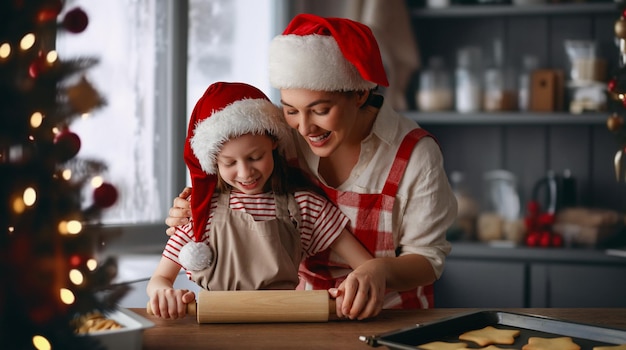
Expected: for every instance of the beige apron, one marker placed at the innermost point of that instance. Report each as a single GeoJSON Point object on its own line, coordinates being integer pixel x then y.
{"type": "Point", "coordinates": [249, 254]}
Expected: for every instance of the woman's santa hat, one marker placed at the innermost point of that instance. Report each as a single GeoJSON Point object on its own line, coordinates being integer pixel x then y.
{"type": "Point", "coordinates": [225, 111]}
{"type": "Point", "coordinates": [326, 54]}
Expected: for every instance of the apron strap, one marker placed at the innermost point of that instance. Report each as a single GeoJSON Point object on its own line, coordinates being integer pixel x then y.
{"type": "Point", "coordinates": [402, 159]}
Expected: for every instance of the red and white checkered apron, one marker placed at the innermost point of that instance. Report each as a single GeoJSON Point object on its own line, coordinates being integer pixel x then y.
{"type": "Point", "coordinates": [370, 219]}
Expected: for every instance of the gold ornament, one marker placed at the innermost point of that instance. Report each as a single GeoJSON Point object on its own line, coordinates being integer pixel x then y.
{"type": "Point", "coordinates": [620, 28]}
{"type": "Point", "coordinates": [615, 122]}
{"type": "Point", "coordinates": [83, 97]}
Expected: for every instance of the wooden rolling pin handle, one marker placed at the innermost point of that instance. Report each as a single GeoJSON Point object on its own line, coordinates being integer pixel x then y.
{"type": "Point", "coordinates": [261, 306]}
{"type": "Point", "coordinates": [191, 308]}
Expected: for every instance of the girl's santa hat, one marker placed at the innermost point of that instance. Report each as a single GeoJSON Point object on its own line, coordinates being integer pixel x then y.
{"type": "Point", "coordinates": [225, 111]}
{"type": "Point", "coordinates": [326, 54]}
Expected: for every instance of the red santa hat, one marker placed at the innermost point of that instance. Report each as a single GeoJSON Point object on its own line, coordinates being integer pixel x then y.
{"type": "Point", "coordinates": [326, 54]}
{"type": "Point", "coordinates": [225, 111]}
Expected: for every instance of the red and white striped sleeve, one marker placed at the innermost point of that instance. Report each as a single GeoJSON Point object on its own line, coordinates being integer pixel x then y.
{"type": "Point", "coordinates": [322, 222]}
{"type": "Point", "coordinates": [182, 236]}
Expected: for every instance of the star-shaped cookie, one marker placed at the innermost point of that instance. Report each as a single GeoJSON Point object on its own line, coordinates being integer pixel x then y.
{"type": "Point", "coordinates": [440, 345]}
{"type": "Point", "coordinates": [561, 343]}
{"type": "Point", "coordinates": [490, 335]}
{"type": "Point", "coordinates": [611, 347]}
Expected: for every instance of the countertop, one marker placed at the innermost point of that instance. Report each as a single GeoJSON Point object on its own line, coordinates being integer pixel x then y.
{"type": "Point", "coordinates": [188, 334]}
{"type": "Point", "coordinates": [504, 251]}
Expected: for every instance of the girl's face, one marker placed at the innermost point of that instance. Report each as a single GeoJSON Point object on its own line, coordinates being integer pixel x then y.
{"type": "Point", "coordinates": [326, 120]}
{"type": "Point", "coordinates": [246, 162]}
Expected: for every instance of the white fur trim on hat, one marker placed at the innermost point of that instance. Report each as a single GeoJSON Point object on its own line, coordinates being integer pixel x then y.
{"type": "Point", "coordinates": [312, 62]}
{"type": "Point", "coordinates": [249, 116]}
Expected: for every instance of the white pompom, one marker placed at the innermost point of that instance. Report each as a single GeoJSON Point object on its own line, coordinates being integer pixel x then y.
{"type": "Point", "coordinates": [195, 256]}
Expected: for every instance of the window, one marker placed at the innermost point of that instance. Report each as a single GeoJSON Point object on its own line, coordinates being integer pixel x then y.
{"type": "Point", "coordinates": [156, 59]}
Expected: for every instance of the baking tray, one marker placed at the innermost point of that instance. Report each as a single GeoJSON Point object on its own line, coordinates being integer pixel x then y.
{"type": "Point", "coordinates": [130, 337]}
{"type": "Point", "coordinates": [448, 330]}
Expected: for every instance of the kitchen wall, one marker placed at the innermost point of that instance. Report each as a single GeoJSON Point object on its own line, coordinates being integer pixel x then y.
{"type": "Point", "coordinates": [528, 150]}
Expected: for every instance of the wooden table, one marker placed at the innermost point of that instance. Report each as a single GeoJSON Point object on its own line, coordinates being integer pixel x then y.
{"type": "Point", "coordinates": [188, 334]}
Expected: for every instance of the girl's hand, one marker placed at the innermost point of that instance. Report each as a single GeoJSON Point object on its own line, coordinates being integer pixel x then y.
{"type": "Point", "coordinates": [180, 212]}
{"type": "Point", "coordinates": [171, 303]}
{"type": "Point", "coordinates": [362, 293]}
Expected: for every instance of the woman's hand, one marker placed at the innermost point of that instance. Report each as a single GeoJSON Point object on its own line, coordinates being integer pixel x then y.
{"type": "Point", "coordinates": [362, 293]}
{"type": "Point", "coordinates": [171, 303]}
{"type": "Point", "coordinates": [180, 212]}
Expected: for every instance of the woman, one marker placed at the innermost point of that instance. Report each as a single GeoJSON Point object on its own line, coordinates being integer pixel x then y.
{"type": "Point", "coordinates": [381, 169]}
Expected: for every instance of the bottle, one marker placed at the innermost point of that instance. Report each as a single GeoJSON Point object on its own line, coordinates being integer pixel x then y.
{"type": "Point", "coordinates": [468, 97]}
{"type": "Point", "coordinates": [435, 91]}
{"type": "Point", "coordinates": [569, 197]}
{"type": "Point", "coordinates": [529, 64]}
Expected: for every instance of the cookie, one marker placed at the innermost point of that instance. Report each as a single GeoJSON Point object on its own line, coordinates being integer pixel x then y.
{"type": "Point", "coordinates": [439, 345]}
{"type": "Point", "coordinates": [490, 335]}
{"type": "Point", "coordinates": [561, 343]}
{"type": "Point", "coordinates": [611, 347]}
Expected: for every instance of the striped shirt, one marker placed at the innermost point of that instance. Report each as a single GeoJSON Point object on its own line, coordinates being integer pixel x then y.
{"type": "Point", "coordinates": [321, 221]}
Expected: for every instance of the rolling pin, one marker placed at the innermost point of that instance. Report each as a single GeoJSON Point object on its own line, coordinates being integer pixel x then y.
{"type": "Point", "coordinates": [261, 306]}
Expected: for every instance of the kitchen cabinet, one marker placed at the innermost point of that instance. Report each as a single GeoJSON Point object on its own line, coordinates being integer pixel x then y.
{"type": "Point", "coordinates": [577, 285]}
{"type": "Point", "coordinates": [480, 283]}
{"type": "Point", "coordinates": [477, 275]}
{"type": "Point", "coordinates": [527, 144]}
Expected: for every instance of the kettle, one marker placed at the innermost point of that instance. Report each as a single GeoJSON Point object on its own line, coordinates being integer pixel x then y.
{"type": "Point", "coordinates": [554, 192]}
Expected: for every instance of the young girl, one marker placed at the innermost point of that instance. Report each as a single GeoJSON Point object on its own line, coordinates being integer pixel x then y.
{"type": "Point", "coordinates": [256, 221]}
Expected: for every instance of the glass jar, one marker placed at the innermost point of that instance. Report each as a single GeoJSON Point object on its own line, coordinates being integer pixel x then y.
{"type": "Point", "coordinates": [468, 97]}
{"type": "Point", "coordinates": [500, 90]}
{"type": "Point", "coordinates": [435, 91]}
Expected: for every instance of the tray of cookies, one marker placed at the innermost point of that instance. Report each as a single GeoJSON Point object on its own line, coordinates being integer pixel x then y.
{"type": "Point", "coordinates": [493, 329]}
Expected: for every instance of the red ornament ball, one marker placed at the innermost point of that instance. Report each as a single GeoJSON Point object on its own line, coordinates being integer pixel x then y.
{"type": "Point", "coordinates": [532, 239]}
{"type": "Point", "coordinates": [105, 195]}
{"type": "Point", "coordinates": [557, 240]}
{"type": "Point", "coordinates": [67, 145]}
{"type": "Point", "coordinates": [611, 85]}
{"type": "Point", "coordinates": [75, 20]}
{"type": "Point", "coordinates": [545, 239]}
{"type": "Point", "coordinates": [49, 11]}
{"type": "Point", "coordinates": [38, 66]}
{"type": "Point", "coordinates": [533, 208]}
{"type": "Point", "coordinates": [75, 260]}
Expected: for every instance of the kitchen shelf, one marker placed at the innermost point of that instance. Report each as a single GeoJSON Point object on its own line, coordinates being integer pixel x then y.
{"type": "Point", "coordinates": [517, 10]}
{"type": "Point", "coordinates": [507, 118]}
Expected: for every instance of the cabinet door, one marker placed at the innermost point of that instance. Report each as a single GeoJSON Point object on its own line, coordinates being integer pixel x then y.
{"type": "Point", "coordinates": [483, 284]}
{"type": "Point", "coordinates": [573, 285]}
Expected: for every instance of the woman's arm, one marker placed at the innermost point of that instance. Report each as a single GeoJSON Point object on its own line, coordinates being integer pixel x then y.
{"type": "Point", "coordinates": [165, 301]}
{"type": "Point", "coordinates": [350, 249]}
{"type": "Point", "coordinates": [180, 212]}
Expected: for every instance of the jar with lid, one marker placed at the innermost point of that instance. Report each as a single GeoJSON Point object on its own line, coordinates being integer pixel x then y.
{"type": "Point", "coordinates": [468, 97]}
{"type": "Point", "coordinates": [435, 90]}
{"type": "Point", "coordinates": [500, 89]}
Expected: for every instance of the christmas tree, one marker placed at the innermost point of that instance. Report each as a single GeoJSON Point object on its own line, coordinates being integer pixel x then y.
{"type": "Point", "coordinates": [49, 272]}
